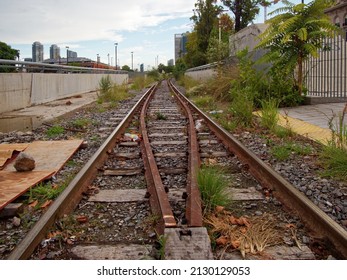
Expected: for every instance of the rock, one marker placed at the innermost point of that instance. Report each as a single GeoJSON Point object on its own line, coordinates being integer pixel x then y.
{"type": "Point", "coordinates": [24, 162]}
{"type": "Point", "coordinates": [16, 221]}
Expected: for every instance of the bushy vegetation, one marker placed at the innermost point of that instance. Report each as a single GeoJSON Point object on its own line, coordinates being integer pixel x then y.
{"type": "Point", "coordinates": [111, 93]}
{"type": "Point", "coordinates": [334, 154]}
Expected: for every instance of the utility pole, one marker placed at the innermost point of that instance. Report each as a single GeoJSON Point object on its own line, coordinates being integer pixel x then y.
{"type": "Point", "coordinates": [132, 61]}
{"type": "Point", "coordinates": [67, 55]}
{"type": "Point", "coordinates": [115, 54]}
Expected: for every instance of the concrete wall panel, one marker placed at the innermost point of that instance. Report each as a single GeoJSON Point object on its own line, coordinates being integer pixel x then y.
{"type": "Point", "coordinates": [15, 91]}
{"type": "Point", "coordinates": [21, 90]}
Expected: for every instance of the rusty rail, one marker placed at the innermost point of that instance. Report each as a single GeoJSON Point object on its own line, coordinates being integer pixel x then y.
{"type": "Point", "coordinates": [193, 205]}
{"type": "Point", "coordinates": [158, 198]}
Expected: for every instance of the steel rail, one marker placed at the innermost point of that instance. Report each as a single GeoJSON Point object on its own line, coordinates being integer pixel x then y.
{"type": "Point", "coordinates": [318, 221]}
{"type": "Point", "coordinates": [193, 204]}
{"type": "Point", "coordinates": [70, 197]}
{"type": "Point", "coordinates": [158, 197]}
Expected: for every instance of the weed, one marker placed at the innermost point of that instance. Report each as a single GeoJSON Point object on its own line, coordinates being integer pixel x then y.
{"type": "Point", "coordinates": [43, 192]}
{"type": "Point", "coordinates": [269, 113]}
{"type": "Point", "coordinates": [81, 123]}
{"type": "Point", "coordinates": [160, 116]}
{"type": "Point", "coordinates": [283, 132]}
{"type": "Point", "coordinates": [334, 154]}
{"type": "Point", "coordinates": [55, 131]}
{"type": "Point", "coordinates": [283, 152]}
{"type": "Point", "coordinates": [334, 159]}
{"type": "Point", "coordinates": [112, 94]}
{"type": "Point", "coordinates": [205, 101]}
{"type": "Point", "coordinates": [213, 188]}
{"type": "Point", "coordinates": [242, 106]}
{"type": "Point", "coordinates": [162, 245]}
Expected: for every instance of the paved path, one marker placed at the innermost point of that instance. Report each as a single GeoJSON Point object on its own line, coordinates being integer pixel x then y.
{"type": "Point", "coordinates": [312, 121]}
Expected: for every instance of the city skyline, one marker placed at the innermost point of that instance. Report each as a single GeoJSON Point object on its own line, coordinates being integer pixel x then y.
{"type": "Point", "coordinates": [143, 30]}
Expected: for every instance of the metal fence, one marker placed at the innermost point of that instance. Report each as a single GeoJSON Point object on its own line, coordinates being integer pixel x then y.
{"type": "Point", "coordinates": [326, 74]}
{"type": "Point", "coordinates": [37, 67]}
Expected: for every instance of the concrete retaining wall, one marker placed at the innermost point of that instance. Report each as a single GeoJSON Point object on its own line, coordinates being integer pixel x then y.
{"type": "Point", "coordinates": [21, 90]}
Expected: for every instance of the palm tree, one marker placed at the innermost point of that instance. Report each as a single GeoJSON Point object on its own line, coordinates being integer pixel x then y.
{"type": "Point", "coordinates": [296, 33]}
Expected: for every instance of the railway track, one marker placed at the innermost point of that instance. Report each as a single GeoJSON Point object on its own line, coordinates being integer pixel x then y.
{"type": "Point", "coordinates": [138, 196]}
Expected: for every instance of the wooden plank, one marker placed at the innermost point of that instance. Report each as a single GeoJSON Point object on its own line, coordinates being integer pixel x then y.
{"type": "Point", "coordinates": [214, 154]}
{"type": "Point", "coordinates": [127, 155]}
{"type": "Point", "coordinates": [128, 144]}
{"type": "Point", "coordinates": [245, 194]}
{"type": "Point", "coordinates": [11, 210]}
{"type": "Point", "coordinates": [208, 141]}
{"type": "Point", "coordinates": [14, 184]}
{"type": "Point", "coordinates": [173, 170]}
{"type": "Point", "coordinates": [128, 195]}
{"type": "Point", "coordinates": [123, 172]}
{"type": "Point", "coordinates": [49, 156]}
{"type": "Point", "coordinates": [167, 135]}
{"type": "Point", "coordinates": [175, 155]}
{"type": "Point", "coordinates": [168, 143]}
{"type": "Point", "coordinates": [6, 151]}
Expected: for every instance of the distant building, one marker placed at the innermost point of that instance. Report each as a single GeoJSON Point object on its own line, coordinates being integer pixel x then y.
{"type": "Point", "coordinates": [71, 54]}
{"type": "Point", "coordinates": [37, 52]}
{"type": "Point", "coordinates": [180, 45]}
{"type": "Point", "coordinates": [54, 52]}
{"type": "Point", "coordinates": [170, 62]}
{"type": "Point", "coordinates": [142, 68]}
{"type": "Point", "coordinates": [338, 14]}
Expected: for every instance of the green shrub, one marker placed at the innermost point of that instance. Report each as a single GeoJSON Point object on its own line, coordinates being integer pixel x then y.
{"type": "Point", "coordinates": [269, 113]}
{"type": "Point", "coordinates": [54, 131]}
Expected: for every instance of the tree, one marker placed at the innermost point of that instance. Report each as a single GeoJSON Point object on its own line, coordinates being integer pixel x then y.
{"type": "Point", "coordinates": [244, 11]}
{"type": "Point", "coordinates": [126, 68]}
{"type": "Point", "coordinates": [296, 33]}
{"type": "Point", "coordinates": [218, 47]}
{"type": "Point", "coordinates": [205, 17]}
{"type": "Point", "coordinates": [6, 52]}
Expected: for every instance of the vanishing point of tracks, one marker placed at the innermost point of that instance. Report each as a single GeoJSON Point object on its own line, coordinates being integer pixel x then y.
{"type": "Point", "coordinates": [145, 177]}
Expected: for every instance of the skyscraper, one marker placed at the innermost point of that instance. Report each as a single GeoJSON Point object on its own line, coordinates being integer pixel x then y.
{"type": "Point", "coordinates": [180, 45]}
{"type": "Point", "coordinates": [54, 52]}
{"type": "Point", "coordinates": [37, 52]}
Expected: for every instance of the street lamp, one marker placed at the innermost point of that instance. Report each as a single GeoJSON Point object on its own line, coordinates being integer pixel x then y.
{"type": "Point", "coordinates": [115, 54]}
{"type": "Point", "coordinates": [132, 61]}
{"type": "Point", "coordinates": [97, 60]}
{"type": "Point", "coordinates": [67, 55]}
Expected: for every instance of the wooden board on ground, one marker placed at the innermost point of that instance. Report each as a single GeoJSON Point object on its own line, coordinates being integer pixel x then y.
{"type": "Point", "coordinates": [49, 156]}
{"type": "Point", "coordinates": [6, 151]}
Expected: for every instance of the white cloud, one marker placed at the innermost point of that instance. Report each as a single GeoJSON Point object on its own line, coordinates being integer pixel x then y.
{"type": "Point", "coordinates": [49, 21]}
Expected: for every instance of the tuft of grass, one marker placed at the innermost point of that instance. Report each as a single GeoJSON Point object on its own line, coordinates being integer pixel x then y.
{"type": "Point", "coordinates": [81, 123]}
{"type": "Point", "coordinates": [283, 152]}
{"type": "Point", "coordinates": [162, 245]}
{"type": "Point", "coordinates": [205, 102]}
{"type": "Point", "coordinates": [160, 116]}
{"type": "Point", "coordinates": [112, 93]}
{"type": "Point", "coordinates": [141, 82]}
{"type": "Point", "coordinates": [54, 131]}
{"type": "Point", "coordinates": [213, 188]}
{"type": "Point", "coordinates": [43, 192]}
{"type": "Point", "coordinates": [334, 159]}
{"type": "Point", "coordinates": [269, 113]}
{"type": "Point", "coordinates": [242, 106]}
{"type": "Point", "coordinates": [334, 154]}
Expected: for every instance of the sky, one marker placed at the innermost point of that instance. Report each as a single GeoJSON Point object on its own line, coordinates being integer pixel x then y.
{"type": "Point", "coordinates": [143, 29]}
